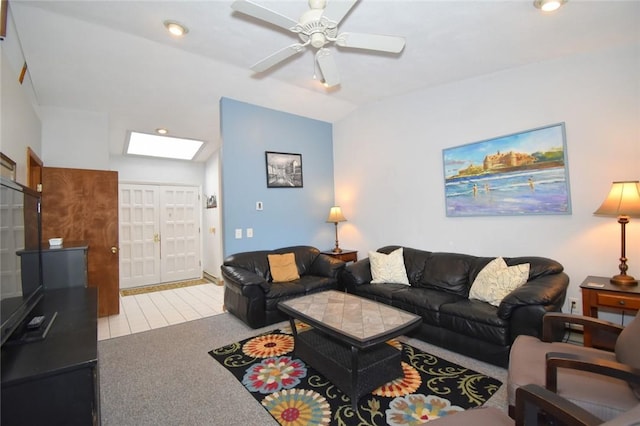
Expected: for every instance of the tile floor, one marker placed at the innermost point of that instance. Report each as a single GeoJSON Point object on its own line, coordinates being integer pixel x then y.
{"type": "Point", "coordinates": [142, 312]}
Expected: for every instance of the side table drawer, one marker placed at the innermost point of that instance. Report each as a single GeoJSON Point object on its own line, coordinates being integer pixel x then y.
{"type": "Point", "coordinates": [618, 301]}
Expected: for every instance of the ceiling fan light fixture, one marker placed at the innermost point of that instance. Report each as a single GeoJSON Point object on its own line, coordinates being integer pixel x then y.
{"type": "Point", "coordinates": [548, 5]}
{"type": "Point", "coordinates": [318, 40]}
{"type": "Point", "coordinates": [176, 28]}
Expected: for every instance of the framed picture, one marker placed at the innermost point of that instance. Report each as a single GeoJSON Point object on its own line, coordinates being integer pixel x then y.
{"type": "Point", "coordinates": [4, 4]}
{"type": "Point", "coordinates": [212, 202]}
{"type": "Point", "coordinates": [519, 174]}
{"type": "Point", "coordinates": [283, 170]}
{"type": "Point", "coordinates": [7, 167]}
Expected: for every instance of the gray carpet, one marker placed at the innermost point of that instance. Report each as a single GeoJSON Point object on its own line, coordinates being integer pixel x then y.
{"type": "Point", "coordinates": [166, 376]}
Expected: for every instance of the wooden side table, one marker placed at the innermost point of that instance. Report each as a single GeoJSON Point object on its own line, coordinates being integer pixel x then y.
{"type": "Point", "coordinates": [344, 255]}
{"type": "Point", "coordinates": [598, 292]}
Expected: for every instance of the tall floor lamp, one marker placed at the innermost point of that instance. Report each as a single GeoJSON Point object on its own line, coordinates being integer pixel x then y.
{"type": "Point", "coordinates": [622, 202]}
{"type": "Point", "coordinates": [335, 216]}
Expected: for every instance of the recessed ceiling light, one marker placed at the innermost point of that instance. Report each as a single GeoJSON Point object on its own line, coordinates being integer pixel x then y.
{"type": "Point", "coordinates": [162, 131]}
{"type": "Point", "coordinates": [548, 5]}
{"type": "Point", "coordinates": [176, 28]}
{"type": "Point", "coordinates": [162, 146]}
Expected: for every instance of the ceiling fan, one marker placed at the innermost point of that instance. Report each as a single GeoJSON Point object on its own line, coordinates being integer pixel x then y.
{"type": "Point", "coordinates": [318, 28]}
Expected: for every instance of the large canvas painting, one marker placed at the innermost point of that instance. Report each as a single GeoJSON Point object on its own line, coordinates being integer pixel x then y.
{"type": "Point", "coordinates": [519, 174]}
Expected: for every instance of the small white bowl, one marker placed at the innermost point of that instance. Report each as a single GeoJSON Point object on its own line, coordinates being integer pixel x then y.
{"type": "Point", "coordinates": [55, 241]}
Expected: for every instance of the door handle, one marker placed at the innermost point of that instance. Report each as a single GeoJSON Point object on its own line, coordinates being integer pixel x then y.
{"type": "Point", "coordinates": [114, 249]}
{"type": "Point", "coordinates": [156, 238]}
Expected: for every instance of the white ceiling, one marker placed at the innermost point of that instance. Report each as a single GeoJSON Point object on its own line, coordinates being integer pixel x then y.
{"type": "Point", "coordinates": [116, 57]}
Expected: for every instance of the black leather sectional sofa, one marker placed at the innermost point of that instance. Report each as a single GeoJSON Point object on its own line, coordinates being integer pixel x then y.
{"type": "Point", "coordinates": [438, 292]}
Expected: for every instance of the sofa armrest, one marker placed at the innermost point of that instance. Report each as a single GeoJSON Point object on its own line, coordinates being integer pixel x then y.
{"type": "Point", "coordinates": [607, 331]}
{"type": "Point", "coordinates": [591, 364]}
{"type": "Point", "coordinates": [531, 400]}
{"type": "Point", "coordinates": [355, 274]}
{"type": "Point", "coordinates": [242, 278]}
{"type": "Point", "coordinates": [546, 290]}
{"type": "Point", "coordinates": [326, 266]}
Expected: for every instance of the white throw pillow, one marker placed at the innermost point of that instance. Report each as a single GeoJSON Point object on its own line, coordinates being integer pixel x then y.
{"type": "Point", "coordinates": [388, 268]}
{"type": "Point", "coordinates": [496, 280]}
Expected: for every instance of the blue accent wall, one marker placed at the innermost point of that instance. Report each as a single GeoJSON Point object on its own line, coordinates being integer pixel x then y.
{"type": "Point", "coordinates": [290, 216]}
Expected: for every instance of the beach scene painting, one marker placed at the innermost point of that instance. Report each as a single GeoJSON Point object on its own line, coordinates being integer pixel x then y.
{"type": "Point", "coordinates": [519, 174]}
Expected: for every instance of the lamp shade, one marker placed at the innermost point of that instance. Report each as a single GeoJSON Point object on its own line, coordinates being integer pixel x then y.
{"type": "Point", "coordinates": [335, 215]}
{"type": "Point", "coordinates": [623, 200]}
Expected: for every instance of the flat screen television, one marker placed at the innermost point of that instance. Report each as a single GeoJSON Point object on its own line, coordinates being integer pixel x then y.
{"type": "Point", "coordinates": [21, 286]}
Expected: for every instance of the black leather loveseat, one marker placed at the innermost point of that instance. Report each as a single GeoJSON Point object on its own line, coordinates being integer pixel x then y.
{"type": "Point", "coordinates": [438, 292]}
{"type": "Point", "coordinates": [250, 293]}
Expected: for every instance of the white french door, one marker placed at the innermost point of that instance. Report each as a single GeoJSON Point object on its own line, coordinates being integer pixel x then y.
{"type": "Point", "coordinates": [159, 234]}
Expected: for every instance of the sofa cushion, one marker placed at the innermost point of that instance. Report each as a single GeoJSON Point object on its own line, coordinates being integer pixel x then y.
{"type": "Point", "coordinates": [414, 261]}
{"type": "Point", "coordinates": [477, 319]}
{"type": "Point", "coordinates": [425, 302]}
{"type": "Point", "coordinates": [305, 256]}
{"type": "Point", "coordinates": [496, 280]}
{"type": "Point", "coordinates": [307, 284]}
{"type": "Point", "coordinates": [447, 272]}
{"type": "Point", "coordinates": [382, 293]}
{"type": "Point", "coordinates": [283, 267]}
{"type": "Point", "coordinates": [253, 261]}
{"type": "Point", "coordinates": [388, 268]}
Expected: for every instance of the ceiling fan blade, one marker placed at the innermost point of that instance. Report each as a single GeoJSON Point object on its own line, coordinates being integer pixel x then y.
{"type": "Point", "coordinates": [260, 12]}
{"type": "Point", "coordinates": [336, 10]}
{"type": "Point", "coordinates": [383, 43]}
{"type": "Point", "coordinates": [328, 67]}
{"type": "Point", "coordinates": [277, 57]}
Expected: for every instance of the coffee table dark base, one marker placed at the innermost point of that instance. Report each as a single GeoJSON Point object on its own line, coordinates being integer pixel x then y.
{"type": "Point", "coordinates": [356, 372]}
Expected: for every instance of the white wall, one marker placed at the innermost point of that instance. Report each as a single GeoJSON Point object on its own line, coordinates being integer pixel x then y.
{"type": "Point", "coordinates": [389, 176]}
{"type": "Point", "coordinates": [212, 257]}
{"type": "Point", "coordinates": [74, 138]}
{"type": "Point", "coordinates": [20, 126]}
{"type": "Point", "coordinates": [157, 171]}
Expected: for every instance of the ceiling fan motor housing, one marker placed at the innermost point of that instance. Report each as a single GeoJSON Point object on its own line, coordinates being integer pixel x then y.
{"type": "Point", "coordinates": [316, 28]}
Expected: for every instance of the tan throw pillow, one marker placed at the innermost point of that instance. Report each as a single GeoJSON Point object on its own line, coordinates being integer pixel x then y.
{"type": "Point", "coordinates": [283, 267]}
{"type": "Point", "coordinates": [496, 280]}
{"type": "Point", "coordinates": [388, 268]}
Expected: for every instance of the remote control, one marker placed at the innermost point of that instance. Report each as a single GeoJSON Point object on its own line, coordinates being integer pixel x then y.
{"type": "Point", "coordinates": [35, 322]}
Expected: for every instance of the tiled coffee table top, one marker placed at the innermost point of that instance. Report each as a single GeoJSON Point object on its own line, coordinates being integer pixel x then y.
{"type": "Point", "coordinates": [355, 316]}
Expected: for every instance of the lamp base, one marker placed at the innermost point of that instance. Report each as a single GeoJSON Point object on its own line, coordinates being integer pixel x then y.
{"type": "Point", "coordinates": [337, 250]}
{"type": "Point", "coordinates": [623, 280]}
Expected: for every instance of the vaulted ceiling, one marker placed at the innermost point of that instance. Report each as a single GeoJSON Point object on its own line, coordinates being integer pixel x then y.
{"type": "Point", "coordinates": [116, 57]}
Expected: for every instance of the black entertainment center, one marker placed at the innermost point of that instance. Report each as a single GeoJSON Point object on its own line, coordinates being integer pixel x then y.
{"type": "Point", "coordinates": [49, 368]}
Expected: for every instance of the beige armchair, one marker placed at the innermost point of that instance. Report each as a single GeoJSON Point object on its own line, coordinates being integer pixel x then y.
{"type": "Point", "coordinates": [604, 381]}
{"type": "Point", "coordinates": [536, 406]}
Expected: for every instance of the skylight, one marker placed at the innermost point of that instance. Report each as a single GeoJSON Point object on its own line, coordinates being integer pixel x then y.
{"type": "Point", "coordinates": [162, 146]}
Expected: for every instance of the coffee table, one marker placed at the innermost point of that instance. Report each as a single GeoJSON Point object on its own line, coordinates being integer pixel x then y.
{"type": "Point", "coordinates": [347, 340]}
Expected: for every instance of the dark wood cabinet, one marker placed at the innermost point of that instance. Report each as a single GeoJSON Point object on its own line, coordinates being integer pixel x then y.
{"type": "Point", "coordinates": [598, 293]}
{"type": "Point", "coordinates": [64, 266]}
{"type": "Point", "coordinates": [344, 255]}
{"type": "Point", "coordinates": [55, 381]}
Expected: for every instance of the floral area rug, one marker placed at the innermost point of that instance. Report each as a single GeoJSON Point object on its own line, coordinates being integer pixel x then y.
{"type": "Point", "coordinates": [295, 394]}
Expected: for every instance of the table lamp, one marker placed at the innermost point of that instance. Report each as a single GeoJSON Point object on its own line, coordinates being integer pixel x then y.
{"type": "Point", "coordinates": [622, 202]}
{"type": "Point", "coordinates": [335, 216]}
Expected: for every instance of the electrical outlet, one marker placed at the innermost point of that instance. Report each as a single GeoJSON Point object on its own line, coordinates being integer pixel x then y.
{"type": "Point", "coordinates": [574, 306]}
{"type": "Point", "coordinates": [238, 233]}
